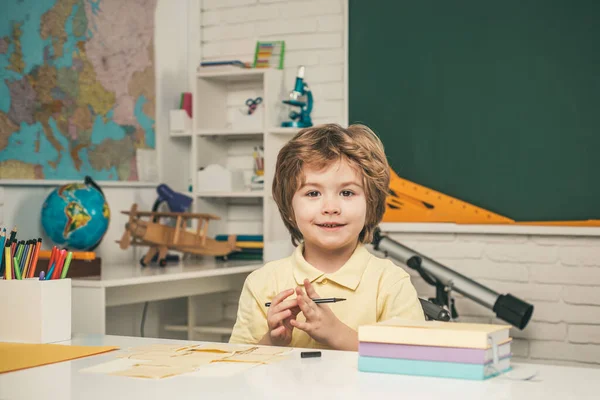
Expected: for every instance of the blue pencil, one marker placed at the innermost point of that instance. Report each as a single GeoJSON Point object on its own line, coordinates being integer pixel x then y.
{"type": "Point", "coordinates": [2, 240]}
{"type": "Point", "coordinates": [50, 271]}
{"type": "Point", "coordinates": [23, 257]}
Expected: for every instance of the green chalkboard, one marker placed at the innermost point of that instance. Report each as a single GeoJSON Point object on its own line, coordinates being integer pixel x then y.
{"type": "Point", "coordinates": [494, 102]}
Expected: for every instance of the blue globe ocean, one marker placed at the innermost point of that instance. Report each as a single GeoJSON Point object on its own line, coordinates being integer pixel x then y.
{"type": "Point", "coordinates": [76, 216]}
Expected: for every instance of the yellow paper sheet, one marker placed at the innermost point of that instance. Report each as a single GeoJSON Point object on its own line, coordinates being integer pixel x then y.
{"type": "Point", "coordinates": [153, 372]}
{"type": "Point", "coordinates": [252, 358]}
{"type": "Point", "coordinates": [272, 351]}
{"type": "Point", "coordinates": [220, 370]}
{"type": "Point", "coordinates": [224, 348]}
{"type": "Point", "coordinates": [16, 356]}
{"type": "Point", "coordinates": [191, 360]}
{"type": "Point", "coordinates": [215, 359]}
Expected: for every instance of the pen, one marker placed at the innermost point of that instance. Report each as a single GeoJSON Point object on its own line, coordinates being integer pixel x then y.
{"type": "Point", "coordinates": [7, 265]}
{"type": "Point", "coordinates": [50, 271]}
{"type": "Point", "coordinates": [65, 269]}
{"type": "Point", "coordinates": [35, 258]}
{"type": "Point", "coordinates": [17, 269]}
{"type": "Point", "coordinates": [319, 301]}
{"type": "Point", "coordinates": [42, 275]}
{"type": "Point", "coordinates": [59, 264]}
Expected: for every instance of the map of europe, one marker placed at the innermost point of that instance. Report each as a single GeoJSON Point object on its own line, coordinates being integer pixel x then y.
{"type": "Point", "coordinates": [77, 91]}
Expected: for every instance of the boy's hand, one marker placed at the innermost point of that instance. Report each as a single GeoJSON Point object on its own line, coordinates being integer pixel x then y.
{"type": "Point", "coordinates": [321, 323]}
{"type": "Point", "coordinates": [279, 317]}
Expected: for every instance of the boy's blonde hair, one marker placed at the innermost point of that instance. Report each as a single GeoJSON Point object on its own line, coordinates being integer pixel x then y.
{"type": "Point", "coordinates": [320, 145]}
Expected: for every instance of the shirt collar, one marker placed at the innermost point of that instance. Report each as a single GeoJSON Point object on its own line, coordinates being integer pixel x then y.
{"type": "Point", "coordinates": [349, 275]}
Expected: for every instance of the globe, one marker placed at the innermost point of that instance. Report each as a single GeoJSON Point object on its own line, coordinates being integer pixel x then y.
{"type": "Point", "coordinates": [76, 215]}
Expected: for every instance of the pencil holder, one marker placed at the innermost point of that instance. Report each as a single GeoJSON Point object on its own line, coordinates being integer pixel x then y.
{"type": "Point", "coordinates": [35, 311]}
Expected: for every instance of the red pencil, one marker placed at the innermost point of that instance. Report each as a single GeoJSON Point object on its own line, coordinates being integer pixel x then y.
{"type": "Point", "coordinates": [36, 252]}
{"type": "Point", "coordinates": [59, 264]}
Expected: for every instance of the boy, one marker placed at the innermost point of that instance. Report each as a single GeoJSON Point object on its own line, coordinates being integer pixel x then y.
{"type": "Point", "coordinates": [330, 185]}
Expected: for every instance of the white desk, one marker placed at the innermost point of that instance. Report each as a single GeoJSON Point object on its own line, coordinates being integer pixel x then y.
{"type": "Point", "coordinates": [130, 284]}
{"type": "Point", "coordinates": [333, 376]}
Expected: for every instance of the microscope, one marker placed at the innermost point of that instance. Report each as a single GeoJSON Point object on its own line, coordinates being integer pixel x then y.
{"type": "Point", "coordinates": [300, 119]}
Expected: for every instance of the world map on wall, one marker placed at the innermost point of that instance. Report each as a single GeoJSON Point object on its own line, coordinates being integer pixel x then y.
{"type": "Point", "coordinates": [77, 88]}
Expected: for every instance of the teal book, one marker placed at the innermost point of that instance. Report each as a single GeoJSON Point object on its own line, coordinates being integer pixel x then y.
{"type": "Point", "coordinates": [240, 238]}
{"type": "Point", "coordinates": [432, 368]}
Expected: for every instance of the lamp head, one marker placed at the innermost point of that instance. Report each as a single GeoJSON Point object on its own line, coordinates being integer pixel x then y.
{"type": "Point", "coordinates": [513, 310]}
{"type": "Point", "coordinates": [177, 202]}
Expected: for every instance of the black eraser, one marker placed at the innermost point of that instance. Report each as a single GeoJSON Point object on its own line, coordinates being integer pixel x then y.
{"type": "Point", "coordinates": [310, 354]}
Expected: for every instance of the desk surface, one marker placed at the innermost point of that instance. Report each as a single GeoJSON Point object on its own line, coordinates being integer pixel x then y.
{"type": "Point", "coordinates": [134, 274]}
{"type": "Point", "coordinates": [333, 376]}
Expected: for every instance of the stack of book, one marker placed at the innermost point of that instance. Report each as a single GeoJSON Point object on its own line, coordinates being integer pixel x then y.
{"type": "Point", "coordinates": [251, 247]}
{"type": "Point", "coordinates": [434, 348]}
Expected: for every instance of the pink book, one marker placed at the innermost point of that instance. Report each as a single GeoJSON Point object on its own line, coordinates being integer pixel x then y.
{"type": "Point", "coordinates": [432, 353]}
{"type": "Point", "coordinates": [187, 103]}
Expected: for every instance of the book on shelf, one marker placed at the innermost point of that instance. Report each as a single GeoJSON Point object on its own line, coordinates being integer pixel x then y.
{"type": "Point", "coordinates": [224, 65]}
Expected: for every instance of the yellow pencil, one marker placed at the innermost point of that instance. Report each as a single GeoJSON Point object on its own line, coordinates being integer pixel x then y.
{"type": "Point", "coordinates": [7, 264]}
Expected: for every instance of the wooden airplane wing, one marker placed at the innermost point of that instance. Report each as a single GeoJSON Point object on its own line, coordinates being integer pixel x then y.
{"type": "Point", "coordinates": [186, 215]}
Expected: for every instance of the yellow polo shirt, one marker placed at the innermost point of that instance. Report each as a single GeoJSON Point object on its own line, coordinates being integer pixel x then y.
{"type": "Point", "coordinates": [375, 290]}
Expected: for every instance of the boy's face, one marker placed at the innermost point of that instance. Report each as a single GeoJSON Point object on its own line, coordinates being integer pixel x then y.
{"type": "Point", "coordinates": [330, 207]}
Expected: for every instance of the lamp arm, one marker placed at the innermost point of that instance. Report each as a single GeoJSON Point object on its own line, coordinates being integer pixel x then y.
{"type": "Point", "coordinates": [507, 307]}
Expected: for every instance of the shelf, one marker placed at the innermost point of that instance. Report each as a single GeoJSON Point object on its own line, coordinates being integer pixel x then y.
{"type": "Point", "coordinates": [51, 182]}
{"type": "Point", "coordinates": [284, 131]}
{"type": "Point", "coordinates": [229, 132]}
{"type": "Point", "coordinates": [252, 194]}
{"type": "Point", "coordinates": [488, 229]}
{"type": "Point", "coordinates": [233, 74]}
{"type": "Point", "coordinates": [180, 134]}
{"type": "Point", "coordinates": [175, 328]}
{"type": "Point", "coordinates": [224, 327]}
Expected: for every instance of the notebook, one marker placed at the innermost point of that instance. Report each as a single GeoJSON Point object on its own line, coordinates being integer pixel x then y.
{"type": "Point", "coordinates": [434, 333]}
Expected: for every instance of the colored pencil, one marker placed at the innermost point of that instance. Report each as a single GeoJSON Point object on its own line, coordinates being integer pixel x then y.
{"type": "Point", "coordinates": [8, 266]}
{"type": "Point", "coordinates": [65, 269]}
{"type": "Point", "coordinates": [35, 259]}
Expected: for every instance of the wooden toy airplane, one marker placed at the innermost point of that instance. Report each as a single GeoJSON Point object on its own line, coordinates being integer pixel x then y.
{"type": "Point", "coordinates": [160, 238]}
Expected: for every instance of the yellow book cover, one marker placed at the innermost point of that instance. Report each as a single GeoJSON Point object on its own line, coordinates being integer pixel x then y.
{"type": "Point", "coordinates": [434, 333]}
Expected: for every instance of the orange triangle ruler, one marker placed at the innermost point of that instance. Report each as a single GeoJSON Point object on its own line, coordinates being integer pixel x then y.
{"type": "Point", "coordinates": [411, 202]}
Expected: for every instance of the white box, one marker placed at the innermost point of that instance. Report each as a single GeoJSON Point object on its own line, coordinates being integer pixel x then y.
{"type": "Point", "coordinates": [216, 178]}
{"type": "Point", "coordinates": [179, 121]}
{"type": "Point", "coordinates": [35, 311]}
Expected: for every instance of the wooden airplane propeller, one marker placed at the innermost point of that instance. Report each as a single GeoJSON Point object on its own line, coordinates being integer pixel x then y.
{"type": "Point", "coordinates": [126, 238]}
{"type": "Point", "coordinates": [160, 237]}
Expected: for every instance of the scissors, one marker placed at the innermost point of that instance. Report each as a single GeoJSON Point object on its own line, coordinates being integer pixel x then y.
{"type": "Point", "coordinates": [252, 104]}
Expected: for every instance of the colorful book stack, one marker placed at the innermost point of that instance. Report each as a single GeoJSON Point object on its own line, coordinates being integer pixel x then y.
{"type": "Point", "coordinates": [434, 348]}
{"type": "Point", "coordinates": [251, 247]}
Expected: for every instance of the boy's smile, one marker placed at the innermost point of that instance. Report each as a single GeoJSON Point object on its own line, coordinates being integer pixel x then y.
{"type": "Point", "coordinates": [330, 207]}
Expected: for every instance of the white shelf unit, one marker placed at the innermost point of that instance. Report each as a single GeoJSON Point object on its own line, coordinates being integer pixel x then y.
{"type": "Point", "coordinates": [225, 135]}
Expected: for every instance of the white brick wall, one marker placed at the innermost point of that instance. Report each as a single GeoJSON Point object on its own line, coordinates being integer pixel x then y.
{"type": "Point", "coordinates": [560, 276]}
{"type": "Point", "coordinates": [314, 37]}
